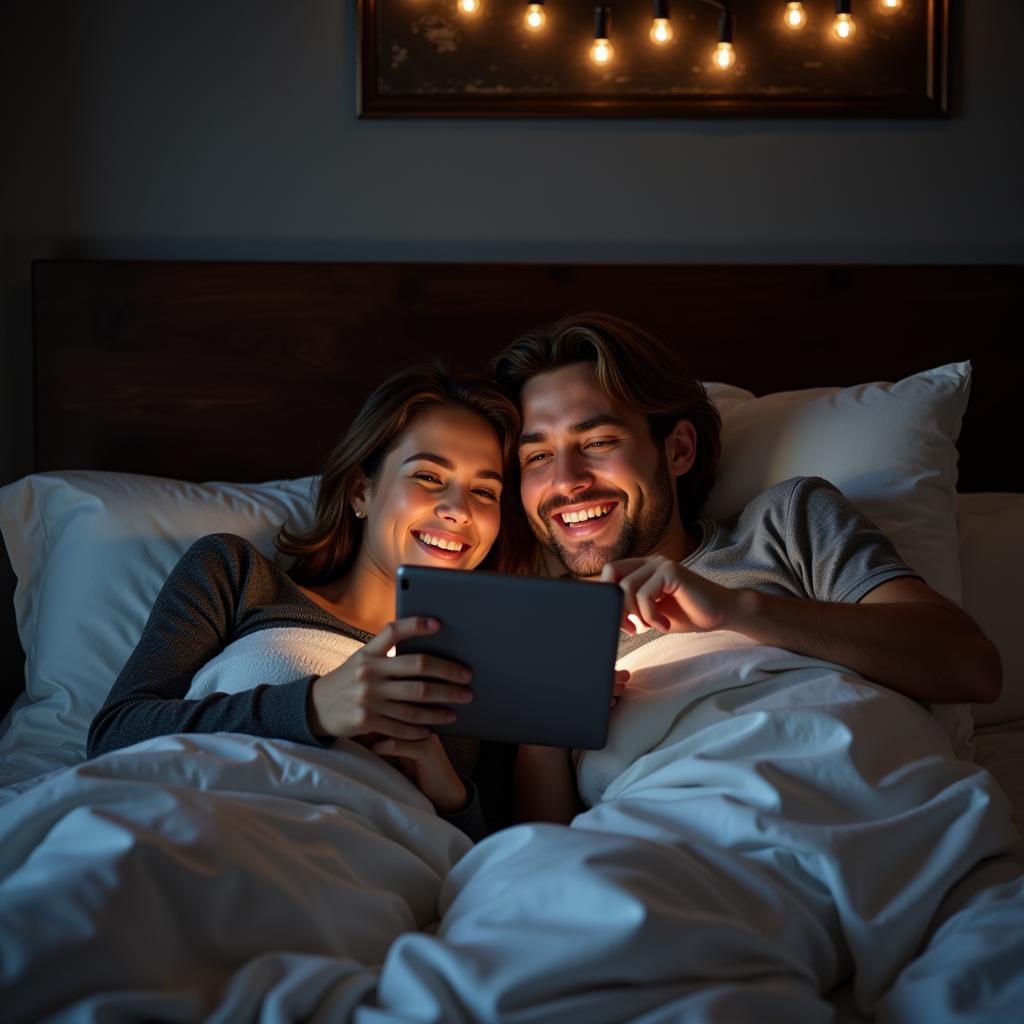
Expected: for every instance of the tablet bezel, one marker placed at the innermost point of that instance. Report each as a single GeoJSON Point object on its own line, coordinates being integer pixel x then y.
{"type": "Point", "coordinates": [542, 651]}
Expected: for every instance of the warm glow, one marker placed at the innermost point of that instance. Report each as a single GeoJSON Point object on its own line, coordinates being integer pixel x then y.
{"type": "Point", "coordinates": [469, 6]}
{"type": "Point", "coordinates": [892, 5]}
{"type": "Point", "coordinates": [601, 52]}
{"type": "Point", "coordinates": [844, 27]}
{"type": "Point", "coordinates": [796, 16]}
{"type": "Point", "coordinates": [534, 17]}
{"type": "Point", "coordinates": [661, 31]}
{"type": "Point", "coordinates": [724, 56]}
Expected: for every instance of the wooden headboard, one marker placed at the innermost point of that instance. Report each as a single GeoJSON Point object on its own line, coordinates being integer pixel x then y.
{"type": "Point", "coordinates": [250, 371]}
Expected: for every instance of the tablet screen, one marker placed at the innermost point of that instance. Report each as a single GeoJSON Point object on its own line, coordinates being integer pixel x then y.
{"type": "Point", "coordinates": [542, 651]}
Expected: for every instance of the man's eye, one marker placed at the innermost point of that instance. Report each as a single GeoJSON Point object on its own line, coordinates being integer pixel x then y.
{"type": "Point", "coordinates": [536, 457]}
{"type": "Point", "coordinates": [597, 444]}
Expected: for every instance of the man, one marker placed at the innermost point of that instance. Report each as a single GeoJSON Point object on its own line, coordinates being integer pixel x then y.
{"type": "Point", "coordinates": [616, 427]}
{"type": "Point", "coordinates": [771, 818]}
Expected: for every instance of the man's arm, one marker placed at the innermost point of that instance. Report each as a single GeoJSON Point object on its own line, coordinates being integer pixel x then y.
{"type": "Point", "coordinates": [545, 785]}
{"type": "Point", "coordinates": [901, 634]}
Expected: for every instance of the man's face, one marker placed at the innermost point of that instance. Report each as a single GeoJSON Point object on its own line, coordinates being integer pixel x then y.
{"type": "Point", "coordinates": [595, 485]}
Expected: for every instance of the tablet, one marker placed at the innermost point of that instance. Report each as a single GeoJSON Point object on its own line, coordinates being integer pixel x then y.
{"type": "Point", "coordinates": [542, 651]}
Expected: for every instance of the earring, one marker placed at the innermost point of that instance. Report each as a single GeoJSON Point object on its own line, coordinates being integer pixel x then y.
{"type": "Point", "coordinates": [359, 514]}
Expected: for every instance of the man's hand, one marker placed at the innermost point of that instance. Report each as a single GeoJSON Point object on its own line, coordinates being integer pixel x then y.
{"type": "Point", "coordinates": [666, 596]}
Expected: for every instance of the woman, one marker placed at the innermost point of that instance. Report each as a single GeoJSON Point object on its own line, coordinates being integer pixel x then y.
{"type": "Point", "coordinates": [234, 644]}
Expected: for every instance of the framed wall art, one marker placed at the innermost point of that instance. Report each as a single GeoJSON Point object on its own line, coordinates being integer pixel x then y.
{"type": "Point", "coordinates": [654, 58]}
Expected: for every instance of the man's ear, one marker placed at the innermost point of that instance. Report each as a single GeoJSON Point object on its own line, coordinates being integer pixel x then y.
{"type": "Point", "coordinates": [681, 448]}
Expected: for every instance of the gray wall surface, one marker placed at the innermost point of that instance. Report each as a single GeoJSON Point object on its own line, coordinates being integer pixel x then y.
{"type": "Point", "coordinates": [209, 129]}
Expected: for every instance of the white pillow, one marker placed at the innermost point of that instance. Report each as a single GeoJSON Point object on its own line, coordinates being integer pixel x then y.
{"type": "Point", "coordinates": [890, 448]}
{"type": "Point", "coordinates": [992, 563]}
{"type": "Point", "coordinates": [90, 551]}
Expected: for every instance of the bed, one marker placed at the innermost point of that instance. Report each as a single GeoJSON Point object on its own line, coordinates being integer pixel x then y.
{"type": "Point", "coordinates": [151, 379]}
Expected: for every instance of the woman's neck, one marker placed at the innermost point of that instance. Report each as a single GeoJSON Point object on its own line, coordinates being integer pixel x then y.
{"type": "Point", "coordinates": [364, 597]}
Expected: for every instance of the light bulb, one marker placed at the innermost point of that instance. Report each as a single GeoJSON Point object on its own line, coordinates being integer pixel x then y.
{"type": "Point", "coordinates": [795, 16]}
{"type": "Point", "coordinates": [601, 52]}
{"type": "Point", "coordinates": [469, 6]}
{"type": "Point", "coordinates": [535, 17]}
{"type": "Point", "coordinates": [661, 31]}
{"type": "Point", "coordinates": [892, 5]}
{"type": "Point", "coordinates": [844, 27]}
{"type": "Point", "coordinates": [724, 56]}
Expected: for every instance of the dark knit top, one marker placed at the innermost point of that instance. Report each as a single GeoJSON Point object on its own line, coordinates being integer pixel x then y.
{"type": "Point", "coordinates": [223, 589]}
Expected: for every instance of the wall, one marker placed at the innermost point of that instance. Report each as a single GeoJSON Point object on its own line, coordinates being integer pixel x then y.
{"type": "Point", "coordinates": [193, 129]}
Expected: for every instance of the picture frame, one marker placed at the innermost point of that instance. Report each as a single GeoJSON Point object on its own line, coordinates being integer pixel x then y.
{"type": "Point", "coordinates": [422, 58]}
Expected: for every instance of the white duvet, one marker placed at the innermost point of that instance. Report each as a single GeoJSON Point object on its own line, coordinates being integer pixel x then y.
{"type": "Point", "coordinates": [138, 884]}
{"type": "Point", "coordinates": [763, 826]}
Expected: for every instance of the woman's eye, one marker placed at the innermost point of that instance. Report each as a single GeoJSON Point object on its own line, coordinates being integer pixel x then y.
{"type": "Point", "coordinates": [430, 478]}
{"type": "Point", "coordinates": [483, 492]}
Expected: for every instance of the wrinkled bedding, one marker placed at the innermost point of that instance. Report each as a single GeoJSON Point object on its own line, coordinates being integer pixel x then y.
{"type": "Point", "coordinates": [141, 881]}
{"type": "Point", "coordinates": [764, 828]}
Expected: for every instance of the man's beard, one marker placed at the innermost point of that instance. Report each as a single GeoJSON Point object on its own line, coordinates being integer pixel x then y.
{"type": "Point", "coordinates": [639, 534]}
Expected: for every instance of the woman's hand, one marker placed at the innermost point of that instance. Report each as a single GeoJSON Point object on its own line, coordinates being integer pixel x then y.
{"type": "Point", "coordinates": [389, 697]}
{"type": "Point", "coordinates": [666, 596]}
{"type": "Point", "coordinates": [427, 764]}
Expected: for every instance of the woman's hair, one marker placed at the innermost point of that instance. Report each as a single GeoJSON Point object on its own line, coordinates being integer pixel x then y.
{"type": "Point", "coordinates": [328, 548]}
{"type": "Point", "coordinates": [634, 368]}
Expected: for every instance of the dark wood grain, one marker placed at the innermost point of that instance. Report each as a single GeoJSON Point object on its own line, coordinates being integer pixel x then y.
{"type": "Point", "coordinates": [252, 370]}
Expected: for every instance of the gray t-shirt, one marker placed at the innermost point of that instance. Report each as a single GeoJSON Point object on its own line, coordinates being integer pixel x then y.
{"type": "Point", "coordinates": [799, 538]}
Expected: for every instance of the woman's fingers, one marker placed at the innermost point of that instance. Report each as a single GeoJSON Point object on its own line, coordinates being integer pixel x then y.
{"type": "Point", "coordinates": [401, 629]}
{"type": "Point", "coordinates": [412, 750]}
{"type": "Point", "coordinates": [425, 666]}
{"type": "Point", "coordinates": [423, 691]}
{"type": "Point", "coordinates": [393, 728]}
{"type": "Point", "coordinates": [414, 714]}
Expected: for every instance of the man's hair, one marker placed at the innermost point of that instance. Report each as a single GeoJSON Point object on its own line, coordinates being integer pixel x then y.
{"type": "Point", "coordinates": [634, 368]}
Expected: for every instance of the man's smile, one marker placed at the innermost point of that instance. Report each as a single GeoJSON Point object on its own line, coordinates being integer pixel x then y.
{"type": "Point", "coordinates": [585, 521]}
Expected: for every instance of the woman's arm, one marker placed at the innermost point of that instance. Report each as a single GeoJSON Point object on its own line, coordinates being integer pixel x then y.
{"type": "Point", "coordinates": [189, 625]}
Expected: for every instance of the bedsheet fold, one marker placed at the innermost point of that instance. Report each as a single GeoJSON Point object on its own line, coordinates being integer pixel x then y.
{"type": "Point", "coordinates": [142, 882]}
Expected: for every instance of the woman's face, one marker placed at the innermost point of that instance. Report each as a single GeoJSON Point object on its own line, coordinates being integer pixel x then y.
{"type": "Point", "coordinates": [436, 498]}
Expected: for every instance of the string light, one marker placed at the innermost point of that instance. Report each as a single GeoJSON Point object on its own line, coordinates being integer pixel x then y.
{"type": "Point", "coordinates": [469, 7]}
{"type": "Point", "coordinates": [601, 50]}
{"type": "Point", "coordinates": [661, 26]}
{"type": "Point", "coordinates": [724, 56]}
{"type": "Point", "coordinates": [844, 26]}
{"type": "Point", "coordinates": [535, 18]}
{"type": "Point", "coordinates": [795, 16]}
{"type": "Point", "coordinates": [661, 32]}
